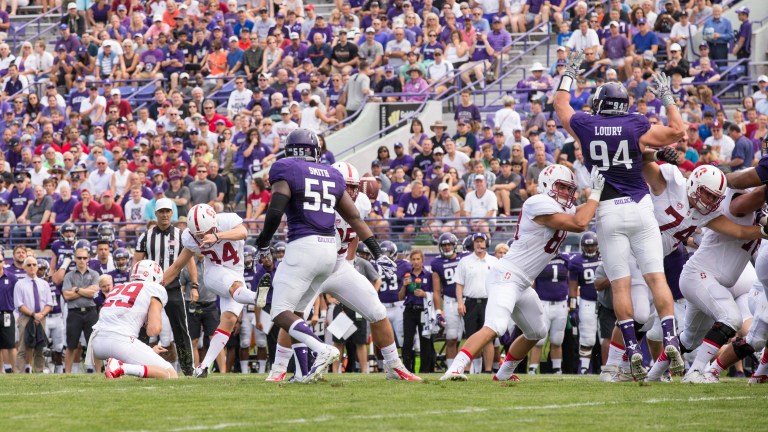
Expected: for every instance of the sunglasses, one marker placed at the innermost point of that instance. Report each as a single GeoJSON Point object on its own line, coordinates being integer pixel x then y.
{"type": "Point", "coordinates": [82, 258]}
{"type": "Point", "coordinates": [31, 265]}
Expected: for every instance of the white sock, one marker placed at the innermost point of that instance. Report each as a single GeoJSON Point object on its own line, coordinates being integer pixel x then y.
{"type": "Point", "coordinates": [706, 353]}
{"type": "Point", "coordinates": [477, 366]}
{"type": "Point", "coordinates": [716, 367]}
{"type": "Point", "coordinates": [262, 365]}
{"type": "Point", "coordinates": [460, 362]}
{"type": "Point", "coordinates": [584, 361]}
{"type": "Point", "coordinates": [135, 370]}
{"type": "Point", "coordinates": [615, 354]}
{"type": "Point", "coordinates": [310, 340]}
{"type": "Point", "coordinates": [283, 356]}
{"type": "Point", "coordinates": [244, 367]}
{"type": "Point", "coordinates": [390, 353]}
{"type": "Point", "coordinates": [76, 367]}
{"type": "Point", "coordinates": [6, 366]}
{"type": "Point", "coordinates": [244, 295]}
{"type": "Point", "coordinates": [557, 363]}
{"type": "Point", "coordinates": [533, 367]}
{"type": "Point", "coordinates": [495, 366]}
{"type": "Point", "coordinates": [380, 365]}
{"type": "Point", "coordinates": [507, 368]}
{"type": "Point", "coordinates": [57, 369]}
{"type": "Point", "coordinates": [218, 342]}
{"type": "Point", "coordinates": [449, 362]}
{"type": "Point", "coordinates": [658, 368]}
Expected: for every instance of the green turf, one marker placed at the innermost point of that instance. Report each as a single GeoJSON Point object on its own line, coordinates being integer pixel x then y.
{"type": "Point", "coordinates": [87, 403]}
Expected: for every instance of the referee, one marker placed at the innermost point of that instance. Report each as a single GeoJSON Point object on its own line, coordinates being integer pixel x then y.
{"type": "Point", "coordinates": [162, 244]}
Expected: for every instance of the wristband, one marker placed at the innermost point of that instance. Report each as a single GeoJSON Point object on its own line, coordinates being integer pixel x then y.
{"type": "Point", "coordinates": [594, 195]}
{"type": "Point", "coordinates": [566, 82]}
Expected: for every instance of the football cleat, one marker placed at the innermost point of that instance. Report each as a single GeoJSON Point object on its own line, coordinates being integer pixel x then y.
{"type": "Point", "coordinates": [114, 369]}
{"type": "Point", "coordinates": [696, 376]}
{"type": "Point", "coordinates": [532, 371]}
{"type": "Point", "coordinates": [676, 363]}
{"type": "Point", "coordinates": [397, 371]}
{"type": "Point", "coordinates": [512, 377]}
{"type": "Point", "coordinates": [324, 359]}
{"type": "Point", "coordinates": [453, 376]}
{"type": "Point", "coordinates": [583, 371]}
{"type": "Point", "coordinates": [710, 378]}
{"type": "Point", "coordinates": [276, 375]}
{"type": "Point", "coordinates": [613, 373]}
{"type": "Point", "coordinates": [693, 376]}
{"type": "Point", "coordinates": [557, 371]}
{"type": "Point", "coordinates": [265, 283]}
{"type": "Point", "coordinates": [636, 367]}
{"type": "Point", "coordinates": [757, 379]}
{"type": "Point", "coordinates": [200, 372]}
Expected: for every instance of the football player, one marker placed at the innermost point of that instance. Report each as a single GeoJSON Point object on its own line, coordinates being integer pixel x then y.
{"type": "Point", "coordinates": [390, 287]}
{"type": "Point", "coordinates": [106, 231]}
{"type": "Point", "coordinates": [444, 292]}
{"type": "Point", "coordinates": [63, 250]}
{"type": "Point", "coordinates": [545, 221]}
{"type": "Point", "coordinates": [56, 328]}
{"type": "Point", "coordinates": [581, 275]}
{"type": "Point", "coordinates": [249, 319]}
{"type": "Point", "coordinates": [121, 257]}
{"type": "Point", "coordinates": [613, 141]}
{"type": "Point", "coordinates": [309, 194]}
{"type": "Point", "coordinates": [220, 239]}
{"type": "Point", "coordinates": [552, 287]}
{"type": "Point", "coordinates": [681, 206]}
{"type": "Point", "coordinates": [127, 309]}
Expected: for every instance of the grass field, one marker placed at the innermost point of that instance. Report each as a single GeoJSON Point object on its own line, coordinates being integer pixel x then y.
{"type": "Point", "coordinates": [368, 402]}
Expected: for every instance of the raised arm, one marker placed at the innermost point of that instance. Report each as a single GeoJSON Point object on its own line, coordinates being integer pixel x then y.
{"type": "Point", "coordinates": [563, 108]}
{"type": "Point", "coordinates": [660, 135]}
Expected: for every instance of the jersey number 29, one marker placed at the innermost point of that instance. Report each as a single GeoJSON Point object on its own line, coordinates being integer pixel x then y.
{"type": "Point", "coordinates": [123, 295]}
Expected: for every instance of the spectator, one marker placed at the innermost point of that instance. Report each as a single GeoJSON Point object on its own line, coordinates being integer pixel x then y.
{"type": "Point", "coordinates": [472, 296]}
{"type": "Point", "coordinates": [446, 211]}
{"type": "Point", "coordinates": [33, 301]}
{"type": "Point", "coordinates": [258, 201]}
{"type": "Point", "coordinates": [684, 164]}
{"type": "Point", "coordinates": [681, 30]}
{"type": "Point", "coordinates": [397, 49]}
{"type": "Point", "coordinates": [722, 145]}
{"type": "Point", "coordinates": [643, 41]}
{"type": "Point", "coordinates": [21, 195]}
{"type": "Point", "coordinates": [465, 140]}
{"type": "Point", "coordinates": [202, 190]}
{"type": "Point", "coordinates": [358, 88]}
{"type": "Point", "coordinates": [222, 186]}
{"type": "Point", "coordinates": [63, 208]}
{"type": "Point", "coordinates": [706, 73]}
{"type": "Point", "coordinates": [416, 286]}
{"type": "Point", "coordinates": [7, 218]}
{"type": "Point", "coordinates": [79, 288]}
{"type": "Point", "coordinates": [108, 211]}
{"type": "Point", "coordinates": [507, 118]}
{"type": "Point", "coordinates": [480, 204]}
{"type": "Point", "coordinates": [743, 152]}
{"type": "Point", "coordinates": [534, 169]}
{"type": "Point", "coordinates": [86, 209]}
{"type": "Point", "coordinates": [507, 188]}
{"type": "Point", "coordinates": [456, 159]}
{"type": "Point", "coordinates": [584, 38]}
{"type": "Point", "coordinates": [37, 213]}
{"type": "Point", "coordinates": [718, 33]}
{"type": "Point", "coordinates": [150, 212]}
{"type": "Point", "coordinates": [411, 207]}
{"type": "Point", "coordinates": [440, 137]}
{"type": "Point", "coordinates": [178, 193]}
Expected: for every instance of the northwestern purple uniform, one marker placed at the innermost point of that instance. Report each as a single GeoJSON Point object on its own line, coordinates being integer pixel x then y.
{"type": "Point", "coordinates": [582, 270]}
{"type": "Point", "coordinates": [315, 191]}
{"type": "Point", "coordinates": [7, 284]}
{"type": "Point", "coordinates": [446, 269]}
{"type": "Point", "coordinates": [56, 297]}
{"type": "Point", "coordinates": [619, 136]}
{"type": "Point", "coordinates": [97, 266]}
{"type": "Point", "coordinates": [552, 282]}
{"type": "Point", "coordinates": [19, 273]}
{"type": "Point", "coordinates": [403, 267]}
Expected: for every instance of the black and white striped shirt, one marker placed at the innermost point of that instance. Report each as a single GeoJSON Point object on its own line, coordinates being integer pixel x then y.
{"type": "Point", "coordinates": [163, 247]}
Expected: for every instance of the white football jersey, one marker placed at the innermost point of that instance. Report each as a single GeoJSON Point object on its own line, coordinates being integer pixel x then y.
{"type": "Point", "coordinates": [534, 244]}
{"type": "Point", "coordinates": [344, 236]}
{"type": "Point", "coordinates": [677, 220]}
{"type": "Point", "coordinates": [724, 256]}
{"type": "Point", "coordinates": [126, 307]}
{"type": "Point", "coordinates": [225, 253]}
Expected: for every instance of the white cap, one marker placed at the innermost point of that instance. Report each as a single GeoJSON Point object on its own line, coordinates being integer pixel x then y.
{"type": "Point", "coordinates": [614, 23]}
{"type": "Point", "coordinates": [537, 67]}
{"type": "Point", "coordinates": [443, 186]}
{"type": "Point", "coordinates": [157, 18]}
{"type": "Point", "coordinates": [114, 92]}
{"type": "Point", "coordinates": [762, 78]}
{"type": "Point", "coordinates": [163, 204]}
{"type": "Point", "coordinates": [71, 6]}
{"type": "Point", "coordinates": [675, 47]}
{"type": "Point", "coordinates": [234, 39]}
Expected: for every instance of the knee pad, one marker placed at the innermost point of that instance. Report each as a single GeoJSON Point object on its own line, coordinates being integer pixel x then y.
{"type": "Point", "coordinates": [720, 334]}
{"type": "Point", "coordinates": [742, 348]}
{"type": "Point", "coordinates": [378, 314]}
{"type": "Point", "coordinates": [585, 351]}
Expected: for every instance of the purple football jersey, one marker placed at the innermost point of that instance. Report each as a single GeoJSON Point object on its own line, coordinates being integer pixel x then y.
{"type": "Point", "coordinates": [119, 277]}
{"type": "Point", "coordinates": [446, 269]}
{"type": "Point", "coordinates": [552, 282]}
{"type": "Point", "coordinates": [315, 192]}
{"type": "Point", "coordinates": [390, 285]}
{"type": "Point", "coordinates": [612, 143]}
{"type": "Point", "coordinates": [582, 270]}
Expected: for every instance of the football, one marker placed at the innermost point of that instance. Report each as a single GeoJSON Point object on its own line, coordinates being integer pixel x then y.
{"type": "Point", "coordinates": [369, 186]}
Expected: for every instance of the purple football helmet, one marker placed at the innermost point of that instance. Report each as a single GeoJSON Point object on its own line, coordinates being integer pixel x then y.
{"type": "Point", "coordinates": [303, 144]}
{"type": "Point", "coordinates": [610, 99]}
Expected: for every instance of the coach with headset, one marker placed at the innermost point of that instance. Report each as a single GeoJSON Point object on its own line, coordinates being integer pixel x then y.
{"type": "Point", "coordinates": [162, 244]}
{"type": "Point", "coordinates": [472, 296]}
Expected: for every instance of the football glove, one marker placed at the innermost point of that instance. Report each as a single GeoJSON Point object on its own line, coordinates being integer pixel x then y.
{"type": "Point", "coordinates": [598, 183]}
{"type": "Point", "coordinates": [385, 266]}
{"type": "Point", "coordinates": [667, 154]}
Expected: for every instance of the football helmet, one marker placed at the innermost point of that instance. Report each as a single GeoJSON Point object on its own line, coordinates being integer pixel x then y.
{"type": "Point", "coordinates": [83, 244]}
{"type": "Point", "coordinates": [105, 231]}
{"type": "Point", "coordinates": [610, 99]}
{"type": "Point", "coordinates": [94, 247]}
{"type": "Point", "coordinates": [278, 250]}
{"type": "Point", "coordinates": [68, 233]}
{"type": "Point", "coordinates": [468, 245]}
{"type": "Point", "coordinates": [390, 249]}
{"type": "Point", "coordinates": [706, 188]}
{"type": "Point", "coordinates": [122, 258]}
{"type": "Point", "coordinates": [302, 144]}
{"type": "Point", "coordinates": [363, 251]}
{"type": "Point", "coordinates": [147, 271]}
{"type": "Point", "coordinates": [249, 253]}
{"type": "Point", "coordinates": [42, 268]}
{"type": "Point", "coordinates": [558, 182]}
{"type": "Point", "coordinates": [351, 177]}
{"type": "Point", "coordinates": [447, 243]}
{"type": "Point", "coordinates": [589, 246]}
{"type": "Point", "coordinates": [201, 220]}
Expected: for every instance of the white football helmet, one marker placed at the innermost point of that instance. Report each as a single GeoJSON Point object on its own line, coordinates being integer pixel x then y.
{"type": "Point", "coordinates": [351, 177]}
{"type": "Point", "coordinates": [200, 220]}
{"type": "Point", "coordinates": [706, 188]}
{"type": "Point", "coordinates": [147, 271]}
{"type": "Point", "coordinates": [551, 181]}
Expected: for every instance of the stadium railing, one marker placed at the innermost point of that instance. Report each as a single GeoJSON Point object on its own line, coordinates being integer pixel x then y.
{"type": "Point", "coordinates": [15, 32]}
